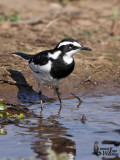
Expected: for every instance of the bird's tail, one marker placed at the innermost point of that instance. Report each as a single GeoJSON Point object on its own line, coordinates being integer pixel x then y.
{"type": "Point", "coordinates": [22, 55]}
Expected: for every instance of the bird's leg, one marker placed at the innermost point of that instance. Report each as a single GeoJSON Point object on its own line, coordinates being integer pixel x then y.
{"type": "Point", "coordinates": [58, 94]}
{"type": "Point", "coordinates": [40, 95]}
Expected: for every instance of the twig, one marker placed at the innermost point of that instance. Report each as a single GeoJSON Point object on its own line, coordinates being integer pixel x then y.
{"type": "Point", "coordinates": [80, 101]}
{"type": "Point", "coordinates": [49, 24]}
{"type": "Point", "coordinates": [77, 97]}
{"type": "Point", "coordinates": [31, 22]}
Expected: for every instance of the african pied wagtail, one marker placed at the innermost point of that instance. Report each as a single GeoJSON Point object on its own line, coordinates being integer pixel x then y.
{"type": "Point", "coordinates": [50, 67]}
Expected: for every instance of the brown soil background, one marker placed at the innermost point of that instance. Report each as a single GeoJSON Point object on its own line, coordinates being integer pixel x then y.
{"type": "Point", "coordinates": [43, 24]}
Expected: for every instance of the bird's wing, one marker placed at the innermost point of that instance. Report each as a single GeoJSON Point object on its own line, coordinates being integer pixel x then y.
{"type": "Point", "coordinates": [40, 62]}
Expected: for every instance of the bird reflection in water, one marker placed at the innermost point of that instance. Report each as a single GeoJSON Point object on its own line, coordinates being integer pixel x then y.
{"type": "Point", "coordinates": [48, 134]}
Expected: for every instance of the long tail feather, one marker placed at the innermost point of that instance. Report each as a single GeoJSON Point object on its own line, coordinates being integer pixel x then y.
{"type": "Point", "coordinates": [22, 55]}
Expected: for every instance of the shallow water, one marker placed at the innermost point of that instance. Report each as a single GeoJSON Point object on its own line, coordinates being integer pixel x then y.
{"type": "Point", "coordinates": [65, 131]}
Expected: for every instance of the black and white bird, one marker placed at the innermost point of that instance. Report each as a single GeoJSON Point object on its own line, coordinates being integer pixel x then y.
{"type": "Point", "coordinates": [50, 67]}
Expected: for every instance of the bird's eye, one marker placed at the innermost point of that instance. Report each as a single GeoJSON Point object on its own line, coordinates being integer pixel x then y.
{"type": "Point", "coordinates": [70, 46]}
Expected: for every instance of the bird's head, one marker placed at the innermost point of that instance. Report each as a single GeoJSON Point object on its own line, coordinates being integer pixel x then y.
{"type": "Point", "coordinates": [70, 46]}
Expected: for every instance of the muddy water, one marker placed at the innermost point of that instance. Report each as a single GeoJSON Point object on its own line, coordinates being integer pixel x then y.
{"type": "Point", "coordinates": [66, 130]}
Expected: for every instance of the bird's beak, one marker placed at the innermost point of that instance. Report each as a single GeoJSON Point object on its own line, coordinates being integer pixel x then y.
{"type": "Point", "coordinates": [86, 48]}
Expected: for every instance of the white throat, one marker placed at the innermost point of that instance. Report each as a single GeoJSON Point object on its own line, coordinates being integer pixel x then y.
{"type": "Point", "coordinates": [68, 57]}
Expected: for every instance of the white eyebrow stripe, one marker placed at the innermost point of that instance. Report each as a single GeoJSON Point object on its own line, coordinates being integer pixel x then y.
{"type": "Point", "coordinates": [55, 55]}
{"type": "Point", "coordinates": [63, 44]}
{"type": "Point", "coordinates": [66, 43]}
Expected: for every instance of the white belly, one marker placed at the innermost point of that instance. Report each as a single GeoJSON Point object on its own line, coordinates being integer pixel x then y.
{"type": "Point", "coordinates": [46, 79]}
{"type": "Point", "coordinates": [43, 75]}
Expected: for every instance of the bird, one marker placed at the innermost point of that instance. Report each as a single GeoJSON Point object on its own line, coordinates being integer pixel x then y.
{"type": "Point", "coordinates": [51, 67]}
